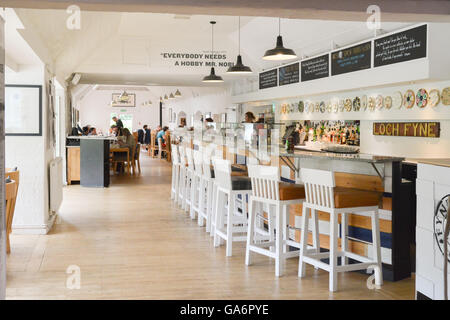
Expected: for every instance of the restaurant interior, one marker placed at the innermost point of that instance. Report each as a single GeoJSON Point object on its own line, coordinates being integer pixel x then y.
{"type": "Point", "coordinates": [197, 151]}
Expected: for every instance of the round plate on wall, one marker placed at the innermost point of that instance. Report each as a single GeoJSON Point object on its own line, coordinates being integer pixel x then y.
{"type": "Point", "coordinates": [306, 106]}
{"type": "Point", "coordinates": [301, 106]}
{"type": "Point", "coordinates": [335, 106]}
{"type": "Point", "coordinates": [322, 107]}
{"type": "Point", "coordinates": [445, 96]}
{"type": "Point", "coordinates": [388, 102]}
{"type": "Point", "coordinates": [434, 97]}
{"type": "Point", "coordinates": [341, 105]}
{"type": "Point", "coordinates": [371, 103]}
{"type": "Point", "coordinates": [364, 102]}
{"type": "Point", "coordinates": [329, 107]}
{"type": "Point", "coordinates": [317, 109]}
{"type": "Point", "coordinates": [397, 100]}
{"type": "Point", "coordinates": [422, 98]}
{"type": "Point", "coordinates": [312, 107]}
{"type": "Point", "coordinates": [348, 105]}
{"type": "Point", "coordinates": [356, 104]}
{"type": "Point", "coordinates": [409, 99]}
{"type": "Point", "coordinates": [379, 102]}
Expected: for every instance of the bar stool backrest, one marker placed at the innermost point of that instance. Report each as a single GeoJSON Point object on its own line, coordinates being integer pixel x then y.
{"type": "Point", "coordinates": [189, 158]}
{"type": "Point", "coordinates": [207, 154]}
{"type": "Point", "coordinates": [222, 173]}
{"type": "Point", "coordinates": [198, 160]}
{"type": "Point", "coordinates": [319, 185]}
{"type": "Point", "coordinates": [182, 151]}
{"type": "Point", "coordinates": [265, 181]}
{"type": "Point", "coordinates": [175, 159]}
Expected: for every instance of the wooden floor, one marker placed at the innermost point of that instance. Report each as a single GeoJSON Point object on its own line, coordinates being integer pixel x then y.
{"type": "Point", "coordinates": [131, 242]}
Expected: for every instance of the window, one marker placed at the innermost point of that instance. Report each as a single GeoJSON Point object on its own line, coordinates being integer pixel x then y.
{"type": "Point", "coordinates": [127, 120]}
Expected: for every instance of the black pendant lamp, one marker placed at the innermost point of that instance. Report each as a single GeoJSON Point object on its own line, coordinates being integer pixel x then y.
{"type": "Point", "coordinates": [279, 52]}
{"type": "Point", "coordinates": [212, 77]}
{"type": "Point", "coordinates": [177, 94]}
{"type": "Point", "coordinates": [171, 96]}
{"type": "Point", "coordinates": [239, 67]}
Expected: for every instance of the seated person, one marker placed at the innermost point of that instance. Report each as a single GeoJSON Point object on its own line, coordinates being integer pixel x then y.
{"type": "Point", "coordinates": [130, 143]}
{"type": "Point", "coordinates": [85, 130]}
{"type": "Point", "coordinates": [141, 133]}
{"type": "Point", "coordinates": [161, 134]}
{"type": "Point", "coordinates": [146, 134]}
{"type": "Point", "coordinates": [92, 132]}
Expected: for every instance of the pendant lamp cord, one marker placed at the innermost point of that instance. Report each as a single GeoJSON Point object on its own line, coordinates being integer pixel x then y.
{"type": "Point", "coordinates": [239, 41]}
{"type": "Point", "coordinates": [212, 44]}
{"type": "Point", "coordinates": [279, 26]}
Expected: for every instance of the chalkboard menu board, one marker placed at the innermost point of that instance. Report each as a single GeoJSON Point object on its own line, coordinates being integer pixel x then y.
{"type": "Point", "coordinates": [351, 59]}
{"type": "Point", "coordinates": [315, 68]}
{"type": "Point", "coordinates": [289, 74]}
{"type": "Point", "coordinates": [268, 79]}
{"type": "Point", "coordinates": [403, 46]}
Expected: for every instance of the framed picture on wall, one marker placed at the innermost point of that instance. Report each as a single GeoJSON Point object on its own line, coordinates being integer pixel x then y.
{"type": "Point", "coordinates": [119, 100]}
{"type": "Point", "coordinates": [23, 110]}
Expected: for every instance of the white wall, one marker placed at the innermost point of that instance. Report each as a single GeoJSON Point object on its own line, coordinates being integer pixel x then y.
{"type": "Point", "coordinates": [31, 155]}
{"type": "Point", "coordinates": [95, 109]}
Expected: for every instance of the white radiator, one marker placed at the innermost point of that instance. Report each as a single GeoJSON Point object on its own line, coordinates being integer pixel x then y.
{"type": "Point", "coordinates": [56, 184]}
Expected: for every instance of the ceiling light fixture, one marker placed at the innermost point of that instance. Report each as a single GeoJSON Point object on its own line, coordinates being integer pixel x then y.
{"type": "Point", "coordinates": [171, 96]}
{"type": "Point", "coordinates": [165, 97]}
{"type": "Point", "coordinates": [212, 77]}
{"type": "Point", "coordinates": [124, 94]}
{"type": "Point", "coordinates": [279, 52]}
{"type": "Point", "coordinates": [178, 93]}
{"type": "Point", "coordinates": [239, 67]}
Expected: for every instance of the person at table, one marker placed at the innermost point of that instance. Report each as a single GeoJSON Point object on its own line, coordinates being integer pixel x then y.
{"type": "Point", "coordinates": [146, 134]}
{"type": "Point", "coordinates": [161, 134]}
{"type": "Point", "coordinates": [129, 141]}
{"type": "Point", "coordinates": [118, 122]}
{"type": "Point", "coordinates": [92, 131]}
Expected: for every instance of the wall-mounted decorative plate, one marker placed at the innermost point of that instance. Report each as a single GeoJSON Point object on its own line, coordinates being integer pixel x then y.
{"type": "Point", "coordinates": [329, 107]}
{"type": "Point", "coordinates": [371, 103]}
{"type": "Point", "coordinates": [317, 109]}
{"type": "Point", "coordinates": [379, 102]}
{"type": "Point", "coordinates": [434, 97]}
{"type": "Point", "coordinates": [356, 104]}
{"type": "Point", "coordinates": [409, 99]}
{"type": "Point", "coordinates": [348, 105]}
{"type": "Point", "coordinates": [335, 106]}
{"type": "Point", "coordinates": [306, 107]}
{"type": "Point", "coordinates": [445, 96]}
{"type": "Point", "coordinates": [322, 106]}
{"type": "Point", "coordinates": [397, 100]}
{"type": "Point", "coordinates": [364, 102]}
{"type": "Point", "coordinates": [301, 106]}
{"type": "Point", "coordinates": [422, 98]}
{"type": "Point", "coordinates": [388, 102]}
{"type": "Point", "coordinates": [341, 105]}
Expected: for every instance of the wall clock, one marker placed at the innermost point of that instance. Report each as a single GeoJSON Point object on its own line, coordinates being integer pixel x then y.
{"type": "Point", "coordinates": [422, 98]}
{"type": "Point", "coordinates": [379, 102]}
{"type": "Point", "coordinates": [434, 97]}
{"type": "Point", "coordinates": [356, 104]}
{"type": "Point", "coordinates": [388, 102]}
{"type": "Point", "coordinates": [445, 96]}
{"type": "Point", "coordinates": [364, 102]}
{"type": "Point", "coordinates": [301, 106]}
{"type": "Point", "coordinates": [397, 100]}
{"type": "Point", "coordinates": [440, 218]}
{"type": "Point", "coordinates": [409, 99]}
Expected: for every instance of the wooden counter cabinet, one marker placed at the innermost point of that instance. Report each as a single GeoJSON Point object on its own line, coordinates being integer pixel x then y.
{"type": "Point", "coordinates": [73, 164]}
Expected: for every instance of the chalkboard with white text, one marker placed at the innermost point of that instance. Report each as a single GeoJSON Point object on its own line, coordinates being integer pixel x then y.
{"type": "Point", "coordinates": [315, 68]}
{"type": "Point", "coordinates": [402, 46]}
{"type": "Point", "coordinates": [351, 59]}
{"type": "Point", "coordinates": [268, 79]}
{"type": "Point", "coordinates": [288, 74]}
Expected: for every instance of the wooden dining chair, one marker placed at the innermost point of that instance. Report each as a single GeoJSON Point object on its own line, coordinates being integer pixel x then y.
{"type": "Point", "coordinates": [135, 159]}
{"type": "Point", "coordinates": [161, 148]}
{"type": "Point", "coordinates": [152, 147]}
{"type": "Point", "coordinates": [126, 162]}
{"type": "Point", "coordinates": [13, 174]}
{"type": "Point", "coordinates": [10, 197]}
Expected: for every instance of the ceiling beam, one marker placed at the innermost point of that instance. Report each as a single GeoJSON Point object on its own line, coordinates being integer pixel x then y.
{"type": "Point", "coordinates": [392, 10]}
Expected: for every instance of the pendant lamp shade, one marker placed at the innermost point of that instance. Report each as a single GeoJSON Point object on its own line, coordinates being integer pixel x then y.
{"type": "Point", "coordinates": [279, 52]}
{"type": "Point", "coordinates": [171, 96]}
{"type": "Point", "coordinates": [178, 93]}
{"type": "Point", "coordinates": [165, 97]}
{"type": "Point", "coordinates": [239, 67]}
{"type": "Point", "coordinates": [212, 77]}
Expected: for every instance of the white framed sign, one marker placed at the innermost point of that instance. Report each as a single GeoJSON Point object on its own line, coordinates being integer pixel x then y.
{"type": "Point", "coordinates": [23, 110]}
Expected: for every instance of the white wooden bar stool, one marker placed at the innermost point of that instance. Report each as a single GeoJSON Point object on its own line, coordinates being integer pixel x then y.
{"type": "Point", "coordinates": [189, 180]}
{"type": "Point", "coordinates": [197, 186]}
{"type": "Point", "coordinates": [182, 178]}
{"type": "Point", "coordinates": [322, 194]}
{"type": "Point", "coordinates": [207, 196]}
{"type": "Point", "coordinates": [228, 190]}
{"type": "Point", "coordinates": [267, 189]}
{"type": "Point", "coordinates": [175, 174]}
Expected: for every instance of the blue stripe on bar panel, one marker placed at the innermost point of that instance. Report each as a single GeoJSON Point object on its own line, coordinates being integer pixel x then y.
{"type": "Point", "coordinates": [366, 235]}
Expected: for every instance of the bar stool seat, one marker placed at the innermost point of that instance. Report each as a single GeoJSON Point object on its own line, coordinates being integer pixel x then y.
{"type": "Point", "coordinates": [350, 197]}
{"type": "Point", "coordinates": [240, 183]}
{"type": "Point", "coordinates": [291, 191]}
{"type": "Point", "coordinates": [322, 194]}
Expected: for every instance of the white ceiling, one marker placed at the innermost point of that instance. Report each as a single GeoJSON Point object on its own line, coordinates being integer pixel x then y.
{"type": "Point", "coordinates": [125, 48]}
